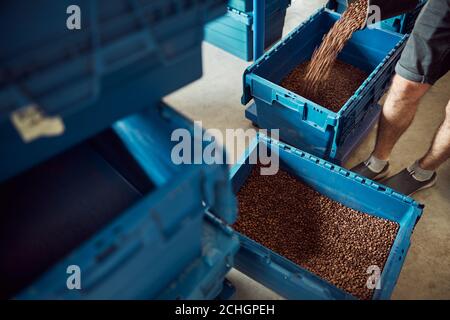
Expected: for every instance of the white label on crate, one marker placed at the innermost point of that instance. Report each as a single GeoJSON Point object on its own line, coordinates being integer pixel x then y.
{"type": "Point", "coordinates": [31, 123]}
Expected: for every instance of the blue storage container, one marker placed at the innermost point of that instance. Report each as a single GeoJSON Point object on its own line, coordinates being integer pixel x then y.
{"type": "Point", "coordinates": [60, 86]}
{"type": "Point", "coordinates": [204, 278]}
{"type": "Point", "coordinates": [303, 123]}
{"type": "Point", "coordinates": [234, 31]}
{"type": "Point", "coordinates": [117, 207]}
{"type": "Point", "coordinates": [403, 23]}
{"type": "Point", "coordinates": [294, 282]}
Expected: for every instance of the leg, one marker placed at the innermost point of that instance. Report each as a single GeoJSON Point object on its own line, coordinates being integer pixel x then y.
{"type": "Point", "coordinates": [398, 114]}
{"type": "Point", "coordinates": [439, 151]}
{"type": "Point", "coordinates": [424, 60]}
{"type": "Point", "coordinates": [421, 174]}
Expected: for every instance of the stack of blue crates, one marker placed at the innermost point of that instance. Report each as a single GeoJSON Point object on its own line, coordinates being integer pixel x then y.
{"type": "Point", "coordinates": [403, 23]}
{"type": "Point", "coordinates": [87, 180]}
{"type": "Point", "coordinates": [293, 281]}
{"type": "Point", "coordinates": [303, 123]}
{"type": "Point", "coordinates": [234, 31]}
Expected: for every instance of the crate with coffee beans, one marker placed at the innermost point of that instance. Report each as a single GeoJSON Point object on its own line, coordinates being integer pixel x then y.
{"type": "Point", "coordinates": [310, 229]}
{"type": "Point", "coordinates": [323, 96]}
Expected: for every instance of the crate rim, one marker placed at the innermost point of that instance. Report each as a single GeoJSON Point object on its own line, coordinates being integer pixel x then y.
{"type": "Point", "coordinates": [247, 17]}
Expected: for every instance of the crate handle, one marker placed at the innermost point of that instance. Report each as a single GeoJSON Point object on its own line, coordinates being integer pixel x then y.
{"type": "Point", "coordinates": [290, 102]}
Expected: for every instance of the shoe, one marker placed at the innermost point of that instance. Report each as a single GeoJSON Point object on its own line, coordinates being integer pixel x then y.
{"type": "Point", "coordinates": [363, 170]}
{"type": "Point", "coordinates": [404, 182]}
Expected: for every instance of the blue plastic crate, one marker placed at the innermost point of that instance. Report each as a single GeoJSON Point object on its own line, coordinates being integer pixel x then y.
{"type": "Point", "coordinates": [403, 23]}
{"type": "Point", "coordinates": [303, 123]}
{"type": "Point", "coordinates": [294, 282]}
{"type": "Point", "coordinates": [204, 278]}
{"type": "Point", "coordinates": [60, 86]}
{"type": "Point", "coordinates": [234, 31]}
{"type": "Point", "coordinates": [117, 207]}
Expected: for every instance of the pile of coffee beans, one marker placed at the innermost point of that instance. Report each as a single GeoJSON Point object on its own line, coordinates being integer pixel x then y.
{"type": "Point", "coordinates": [324, 57]}
{"type": "Point", "coordinates": [342, 82]}
{"type": "Point", "coordinates": [321, 235]}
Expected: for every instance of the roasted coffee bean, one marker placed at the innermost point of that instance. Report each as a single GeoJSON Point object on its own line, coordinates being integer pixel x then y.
{"type": "Point", "coordinates": [323, 58]}
{"type": "Point", "coordinates": [342, 82]}
{"type": "Point", "coordinates": [321, 235]}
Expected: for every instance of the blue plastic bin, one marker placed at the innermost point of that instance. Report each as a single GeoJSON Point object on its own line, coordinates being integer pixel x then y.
{"type": "Point", "coordinates": [303, 123]}
{"type": "Point", "coordinates": [204, 278]}
{"type": "Point", "coordinates": [403, 23]}
{"type": "Point", "coordinates": [234, 31]}
{"type": "Point", "coordinates": [126, 56]}
{"type": "Point", "coordinates": [117, 207]}
{"type": "Point", "coordinates": [294, 282]}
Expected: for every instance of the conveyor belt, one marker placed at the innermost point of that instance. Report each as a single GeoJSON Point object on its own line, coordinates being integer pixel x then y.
{"type": "Point", "coordinates": [51, 209]}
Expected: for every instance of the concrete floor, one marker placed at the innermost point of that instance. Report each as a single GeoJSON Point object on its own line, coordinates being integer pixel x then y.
{"type": "Point", "coordinates": [215, 100]}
